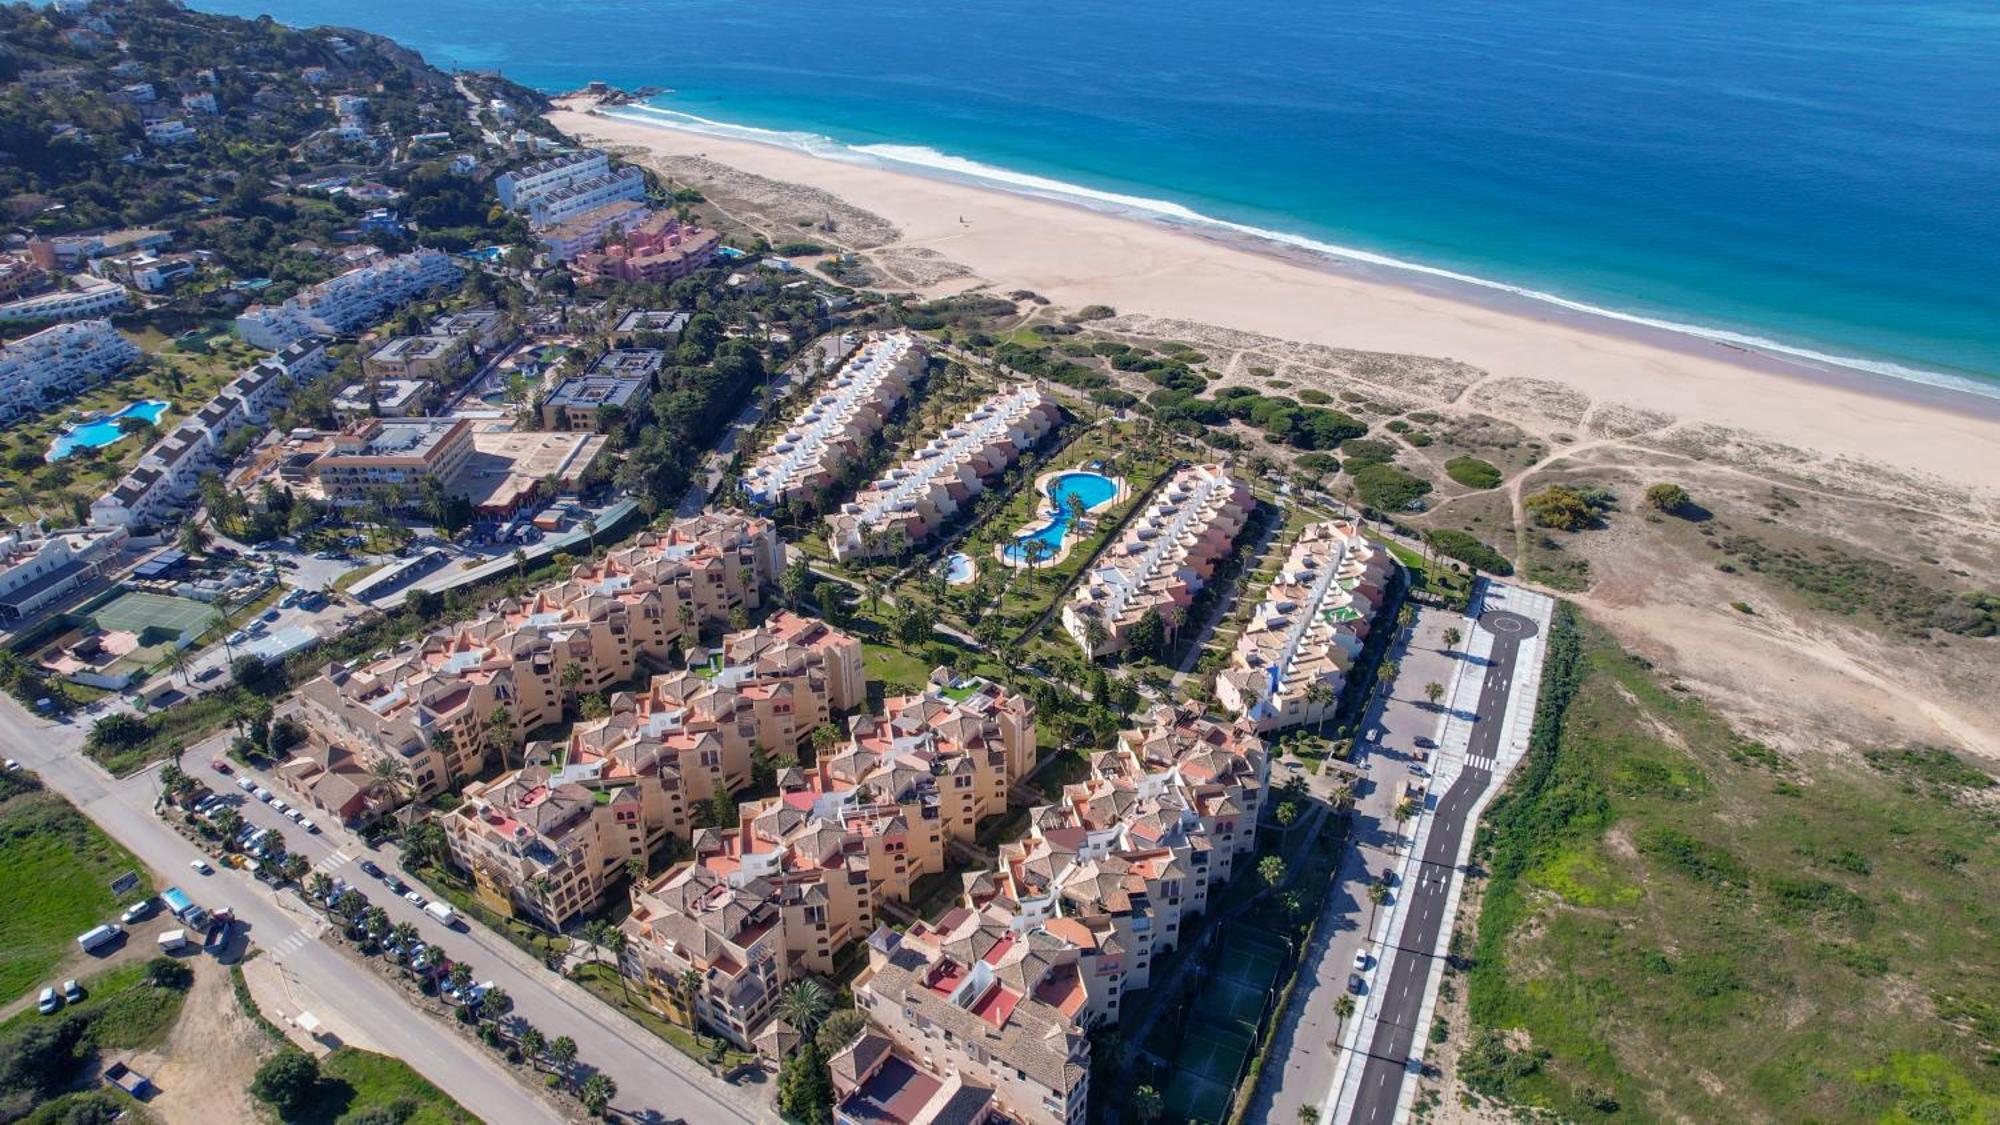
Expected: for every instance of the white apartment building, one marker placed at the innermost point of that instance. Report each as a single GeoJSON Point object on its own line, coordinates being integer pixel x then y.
{"type": "Point", "coordinates": [1291, 661]}
{"type": "Point", "coordinates": [91, 298]}
{"type": "Point", "coordinates": [37, 568]}
{"type": "Point", "coordinates": [828, 432]}
{"type": "Point", "coordinates": [579, 197]}
{"type": "Point", "coordinates": [918, 497]}
{"type": "Point", "coordinates": [171, 132]}
{"type": "Point", "coordinates": [586, 230]}
{"type": "Point", "coordinates": [57, 362]}
{"type": "Point", "coordinates": [521, 185]}
{"type": "Point", "coordinates": [348, 303]}
{"type": "Point", "coordinates": [1165, 555]}
{"type": "Point", "coordinates": [168, 475]}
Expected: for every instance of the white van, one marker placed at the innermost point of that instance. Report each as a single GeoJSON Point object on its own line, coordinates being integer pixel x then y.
{"type": "Point", "coordinates": [443, 912]}
{"type": "Point", "coordinates": [94, 940]}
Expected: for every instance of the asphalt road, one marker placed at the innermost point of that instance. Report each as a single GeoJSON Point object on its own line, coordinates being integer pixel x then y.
{"type": "Point", "coordinates": [1401, 1003]}
{"type": "Point", "coordinates": [654, 1080]}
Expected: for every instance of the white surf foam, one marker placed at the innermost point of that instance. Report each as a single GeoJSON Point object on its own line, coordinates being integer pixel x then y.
{"type": "Point", "coordinates": [929, 161]}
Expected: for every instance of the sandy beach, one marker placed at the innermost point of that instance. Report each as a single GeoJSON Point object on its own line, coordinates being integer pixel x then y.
{"type": "Point", "coordinates": [1077, 257]}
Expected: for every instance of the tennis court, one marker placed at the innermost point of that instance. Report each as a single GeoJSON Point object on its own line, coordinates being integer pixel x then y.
{"type": "Point", "coordinates": [148, 616]}
{"type": "Point", "coordinates": [1210, 1062]}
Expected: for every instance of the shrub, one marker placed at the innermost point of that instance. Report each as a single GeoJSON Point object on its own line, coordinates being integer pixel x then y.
{"type": "Point", "coordinates": [1359, 452]}
{"type": "Point", "coordinates": [286, 1081]}
{"type": "Point", "coordinates": [1669, 498]}
{"type": "Point", "coordinates": [169, 973]}
{"type": "Point", "coordinates": [1387, 488]}
{"type": "Point", "coordinates": [1567, 509]}
{"type": "Point", "coordinates": [1454, 544]}
{"type": "Point", "coordinates": [1472, 472]}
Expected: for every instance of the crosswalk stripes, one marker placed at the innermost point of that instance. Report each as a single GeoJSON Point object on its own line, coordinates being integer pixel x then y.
{"type": "Point", "coordinates": [1479, 763]}
{"type": "Point", "coordinates": [332, 862]}
{"type": "Point", "coordinates": [292, 942]}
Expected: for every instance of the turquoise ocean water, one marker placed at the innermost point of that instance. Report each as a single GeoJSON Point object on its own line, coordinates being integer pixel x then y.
{"type": "Point", "coordinates": [1819, 175]}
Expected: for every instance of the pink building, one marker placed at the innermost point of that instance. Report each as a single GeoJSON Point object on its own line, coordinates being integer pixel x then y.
{"type": "Point", "coordinates": [661, 248]}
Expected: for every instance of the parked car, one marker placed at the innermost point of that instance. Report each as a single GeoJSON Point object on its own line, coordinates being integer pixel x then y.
{"type": "Point", "coordinates": [271, 615]}
{"type": "Point", "coordinates": [396, 885]}
{"type": "Point", "coordinates": [307, 824]}
{"type": "Point", "coordinates": [294, 815]}
{"type": "Point", "coordinates": [239, 637]}
{"type": "Point", "coordinates": [1355, 983]}
{"type": "Point", "coordinates": [263, 794]}
{"type": "Point", "coordinates": [1360, 960]}
{"type": "Point", "coordinates": [368, 866]}
{"type": "Point", "coordinates": [279, 804]}
{"type": "Point", "coordinates": [246, 784]}
{"type": "Point", "coordinates": [414, 899]}
{"type": "Point", "coordinates": [219, 765]}
{"type": "Point", "coordinates": [72, 991]}
{"type": "Point", "coordinates": [202, 866]}
{"type": "Point", "coordinates": [137, 912]}
{"type": "Point", "coordinates": [48, 1002]}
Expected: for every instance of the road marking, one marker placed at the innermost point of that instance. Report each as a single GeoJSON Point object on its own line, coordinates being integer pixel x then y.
{"type": "Point", "coordinates": [292, 942]}
{"type": "Point", "coordinates": [333, 862]}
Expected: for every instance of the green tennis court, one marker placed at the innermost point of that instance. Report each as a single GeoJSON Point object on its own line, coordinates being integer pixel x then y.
{"type": "Point", "coordinates": [1196, 1100]}
{"type": "Point", "coordinates": [1240, 1004]}
{"type": "Point", "coordinates": [140, 613]}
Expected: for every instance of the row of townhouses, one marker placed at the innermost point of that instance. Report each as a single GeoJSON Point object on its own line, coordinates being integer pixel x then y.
{"type": "Point", "coordinates": [1162, 558]}
{"type": "Point", "coordinates": [1291, 661]}
{"type": "Point", "coordinates": [59, 362]}
{"type": "Point", "coordinates": [348, 303]}
{"type": "Point", "coordinates": [169, 474]}
{"type": "Point", "coordinates": [809, 870]}
{"type": "Point", "coordinates": [914, 500]}
{"type": "Point", "coordinates": [835, 426]}
{"type": "Point", "coordinates": [431, 708]}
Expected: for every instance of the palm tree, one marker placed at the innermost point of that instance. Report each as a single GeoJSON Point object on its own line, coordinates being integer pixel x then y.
{"type": "Point", "coordinates": [500, 725]}
{"type": "Point", "coordinates": [521, 562]}
{"type": "Point", "coordinates": [320, 886]}
{"type": "Point", "coordinates": [404, 934]}
{"type": "Point", "coordinates": [460, 976]}
{"type": "Point", "coordinates": [1147, 1105]}
{"type": "Point", "coordinates": [690, 988]}
{"type": "Point", "coordinates": [590, 530]}
{"type": "Point", "coordinates": [496, 1002]}
{"type": "Point", "coordinates": [194, 540]}
{"type": "Point", "coordinates": [532, 1043]}
{"type": "Point", "coordinates": [179, 657]}
{"type": "Point", "coordinates": [572, 675]}
{"type": "Point", "coordinates": [1452, 637]}
{"type": "Point", "coordinates": [1434, 691]}
{"type": "Point", "coordinates": [804, 1004]}
{"type": "Point", "coordinates": [616, 940]}
{"type": "Point", "coordinates": [562, 1053]}
{"type": "Point", "coordinates": [597, 1092]}
{"type": "Point", "coordinates": [376, 921]}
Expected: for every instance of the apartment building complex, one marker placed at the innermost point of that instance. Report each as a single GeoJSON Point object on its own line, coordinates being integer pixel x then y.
{"type": "Point", "coordinates": [1164, 556]}
{"type": "Point", "coordinates": [39, 568]}
{"type": "Point", "coordinates": [439, 358]}
{"type": "Point", "coordinates": [169, 473]}
{"type": "Point", "coordinates": [832, 429]}
{"type": "Point", "coordinates": [58, 362]}
{"type": "Point", "coordinates": [349, 302]}
{"type": "Point", "coordinates": [817, 862]}
{"type": "Point", "coordinates": [431, 708]}
{"type": "Point", "coordinates": [914, 500]}
{"type": "Point", "coordinates": [995, 1009]}
{"type": "Point", "coordinates": [563, 188]}
{"type": "Point", "coordinates": [517, 187]}
{"type": "Point", "coordinates": [621, 379]}
{"type": "Point", "coordinates": [582, 233]}
{"type": "Point", "coordinates": [387, 460]}
{"type": "Point", "coordinates": [92, 297]}
{"type": "Point", "coordinates": [1291, 661]}
{"type": "Point", "coordinates": [655, 249]}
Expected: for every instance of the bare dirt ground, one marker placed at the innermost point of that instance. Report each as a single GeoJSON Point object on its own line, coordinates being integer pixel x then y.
{"type": "Point", "coordinates": [205, 1069]}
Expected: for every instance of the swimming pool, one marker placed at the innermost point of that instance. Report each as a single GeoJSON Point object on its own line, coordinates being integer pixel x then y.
{"type": "Point", "coordinates": [1091, 488]}
{"type": "Point", "coordinates": [100, 432]}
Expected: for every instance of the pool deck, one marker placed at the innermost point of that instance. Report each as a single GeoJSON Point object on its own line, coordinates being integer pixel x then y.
{"type": "Point", "coordinates": [1045, 512]}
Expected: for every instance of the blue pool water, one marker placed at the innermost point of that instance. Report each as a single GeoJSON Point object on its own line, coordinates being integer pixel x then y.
{"type": "Point", "coordinates": [100, 432]}
{"type": "Point", "coordinates": [1092, 488]}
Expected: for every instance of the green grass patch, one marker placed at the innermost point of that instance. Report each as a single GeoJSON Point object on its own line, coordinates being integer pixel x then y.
{"type": "Point", "coordinates": [353, 1082]}
{"type": "Point", "coordinates": [56, 869]}
{"type": "Point", "coordinates": [1683, 936]}
{"type": "Point", "coordinates": [604, 981]}
{"type": "Point", "coordinates": [1473, 472]}
{"type": "Point", "coordinates": [124, 1011]}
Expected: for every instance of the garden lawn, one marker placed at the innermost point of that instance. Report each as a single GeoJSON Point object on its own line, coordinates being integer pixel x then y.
{"type": "Point", "coordinates": [353, 1081]}
{"type": "Point", "coordinates": [56, 869]}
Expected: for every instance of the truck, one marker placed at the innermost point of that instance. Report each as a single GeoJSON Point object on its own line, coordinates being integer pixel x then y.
{"type": "Point", "coordinates": [219, 929]}
{"type": "Point", "coordinates": [177, 902]}
{"type": "Point", "coordinates": [443, 912]}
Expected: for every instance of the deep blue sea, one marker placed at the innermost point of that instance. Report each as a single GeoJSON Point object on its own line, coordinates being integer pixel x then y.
{"type": "Point", "coordinates": [1822, 174]}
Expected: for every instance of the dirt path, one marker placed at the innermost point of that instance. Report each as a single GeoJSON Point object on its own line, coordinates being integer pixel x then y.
{"type": "Point", "coordinates": [204, 1071]}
